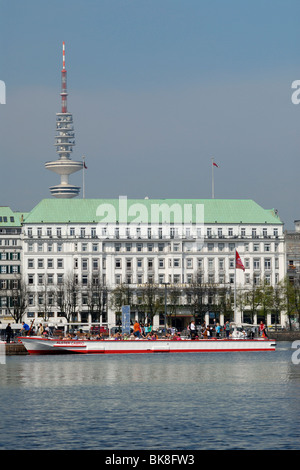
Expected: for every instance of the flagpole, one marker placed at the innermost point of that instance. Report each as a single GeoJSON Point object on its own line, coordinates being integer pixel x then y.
{"type": "Point", "coordinates": [212, 179]}
{"type": "Point", "coordinates": [234, 308]}
{"type": "Point", "coordinates": [83, 181]}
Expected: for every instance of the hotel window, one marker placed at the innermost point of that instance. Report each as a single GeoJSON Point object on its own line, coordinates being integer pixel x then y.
{"type": "Point", "coordinates": [267, 263]}
{"type": "Point", "coordinates": [265, 232]}
{"type": "Point", "coordinates": [117, 246]}
{"type": "Point", "coordinates": [275, 232]}
{"type": "Point", "coordinates": [118, 263]}
{"type": "Point", "coordinates": [210, 247]}
{"type": "Point", "coordinates": [60, 263]}
{"type": "Point", "coordinates": [40, 246]}
{"type": "Point", "coordinates": [189, 263]}
{"type": "Point", "coordinates": [93, 232]}
{"type": "Point", "coordinates": [200, 263]}
{"type": "Point", "coordinates": [75, 263]}
{"type": "Point", "coordinates": [247, 263]}
{"type": "Point", "coordinates": [231, 263]}
{"type": "Point", "coordinates": [49, 232]}
{"type": "Point", "coordinates": [30, 246]}
{"type": "Point", "coordinates": [150, 246]}
{"type": "Point", "coordinates": [176, 263]}
{"type": "Point", "coordinates": [84, 279]}
{"type": "Point", "coordinates": [84, 264]}
{"type": "Point", "coordinates": [231, 246]}
{"type": "Point", "coordinates": [246, 246]}
{"type": "Point", "coordinates": [221, 279]}
{"type": "Point", "coordinates": [176, 278]}
{"type": "Point", "coordinates": [59, 247]}
{"type": "Point", "coordinates": [267, 247]}
{"type": "Point", "coordinates": [208, 232]}
{"type": "Point", "coordinates": [58, 232]}
{"type": "Point", "coordinates": [230, 232]}
{"type": "Point", "coordinates": [50, 279]}
{"type": "Point", "coordinates": [220, 233]}
{"type": "Point", "coordinates": [161, 278]}
{"type": "Point", "coordinates": [211, 278]}
{"type": "Point", "coordinates": [243, 232]}
{"type": "Point", "coordinates": [95, 264]}
{"type": "Point", "coordinates": [139, 278]}
{"type": "Point", "coordinates": [161, 263]}
{"type": "Point", "coordinates": [40, 279]}
{"type": "Point", "coordinates": [94, 247]}
{"type": "Point", "coordinates": [139, 263]}
{"type": "Point", "coordinates": [30, 279]}
{"type": "Point", "coordinates": [49, 247]}
{"type": "Point", "coordinates": [118, 278]}
{"type": "Point", "coordinates": [40, 263]}
{"type": "Point", "coordinates": [128, 246]}
{"type": "Point", "coordinates": [254, 233]}
{"type": "Point", "coordinates": [211, 263]}
{"type": "Point", "coordinates": [84, 246]}
{"type": "Point", "coordinates": [255, 246]}
{"type": "Point", "coordinates": [268, 279]}
{"type": "Point", "coordinates": [29, 232]}
{"type": "Point", "coordinates": [176, 247]}
{"type": "Point", "coordinates": [128, 263]}
{"type": "Point", "coordinates": [72, 231]}
{"type": "Point", "coordinates": [30, 263]}
{"type": "Point", "coordinates": [221, 263]}
{"type": "Point", "coordinates": [82, 232]}
{"type": "Point", "coordinates": [161, 247]}
{"type": "Point", "coordinates": [139, 247]}
{"type": "Point", "coordinates": [150, 263]}
{"type": "Point", "coordinates": [221, 246]}
{"type": "Point", "coordinates": [256, 263]}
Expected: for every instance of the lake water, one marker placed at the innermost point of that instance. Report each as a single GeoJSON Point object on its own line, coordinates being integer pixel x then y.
{"type": "Point", "coordinates": [200, 401]}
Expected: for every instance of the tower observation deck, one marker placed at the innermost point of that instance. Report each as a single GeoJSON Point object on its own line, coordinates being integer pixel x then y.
{"type": "Point", "coordinates": [64, 143]}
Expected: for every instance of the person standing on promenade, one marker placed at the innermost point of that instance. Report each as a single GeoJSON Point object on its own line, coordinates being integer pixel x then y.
{"type": "Point", "coordinates": [227, 329]}
{"type": "Point", "coordinates": [218, 330]}
{"type": "Point", "coordinates": [136, 329]}
{"type": "Point", "coordinates": [40, 330]}
{"type": "Point", "coordinates": [193, 329]}
{"type": "Point", "coordinates": [261, 328]}
{"type": "Point", "coordinates": [8, 332]}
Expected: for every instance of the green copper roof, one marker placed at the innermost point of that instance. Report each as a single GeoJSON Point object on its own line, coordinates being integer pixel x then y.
{"type": "Point", "coordinates": [9, 218]}
{"type": "Point", "coordinates": [216, 211]}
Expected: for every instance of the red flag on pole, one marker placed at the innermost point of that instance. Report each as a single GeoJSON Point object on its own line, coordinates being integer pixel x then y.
{"type": "Point", "coordinates": [238, 262]}
{"type": "Point", "coordinates": [214, 164]}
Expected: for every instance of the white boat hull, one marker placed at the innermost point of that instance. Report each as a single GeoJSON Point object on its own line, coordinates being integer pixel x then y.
{"type": "Point", "coordinates": [39, 345]}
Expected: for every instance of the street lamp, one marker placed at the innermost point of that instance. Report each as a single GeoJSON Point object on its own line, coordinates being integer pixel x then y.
{"type": "Point", "coordinates": [165, 284]}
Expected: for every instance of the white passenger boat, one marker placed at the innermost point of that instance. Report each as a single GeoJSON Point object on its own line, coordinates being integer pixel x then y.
{"type": "Point", "coordinates": [40, 345]}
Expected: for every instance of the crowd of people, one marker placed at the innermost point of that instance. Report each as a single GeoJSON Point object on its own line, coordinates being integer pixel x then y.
{"type": "Point", "coordinates": [144, 331]}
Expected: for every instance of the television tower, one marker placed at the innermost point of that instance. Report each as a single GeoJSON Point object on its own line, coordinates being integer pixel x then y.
{"type": "Point", "coordinates": [64, 143]}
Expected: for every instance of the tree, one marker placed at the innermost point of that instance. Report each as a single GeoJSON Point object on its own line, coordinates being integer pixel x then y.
{"type": "Point", "coordinates": [197, 292]}
{"type": "Point", "coordinates": [67, 297]}
{"type": "Point", "coordinates": [19, 300]}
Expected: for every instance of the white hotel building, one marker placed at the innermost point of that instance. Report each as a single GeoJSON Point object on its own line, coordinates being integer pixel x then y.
{"type": "Point", "coordinates": [117, 241]}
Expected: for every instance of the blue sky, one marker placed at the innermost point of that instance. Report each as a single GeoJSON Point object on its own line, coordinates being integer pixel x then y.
{"type": "Point", "coordinates": [156, 89]}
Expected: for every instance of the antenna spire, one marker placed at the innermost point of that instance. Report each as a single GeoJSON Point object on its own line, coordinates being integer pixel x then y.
{"type": "Point", "coordinates": [64, 93]}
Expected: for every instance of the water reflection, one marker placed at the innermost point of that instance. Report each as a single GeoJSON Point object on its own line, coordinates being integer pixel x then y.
{"type": "Point", "coordinates": [178, 401]}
